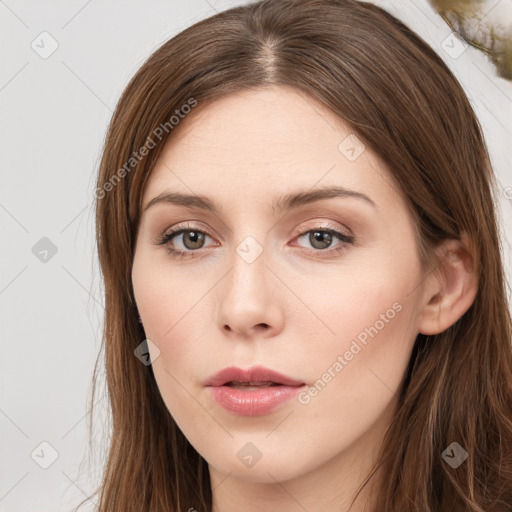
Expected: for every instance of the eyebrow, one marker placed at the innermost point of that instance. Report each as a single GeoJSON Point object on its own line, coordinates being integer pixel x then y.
{"type": "Point", "coordinates": [282, 204]}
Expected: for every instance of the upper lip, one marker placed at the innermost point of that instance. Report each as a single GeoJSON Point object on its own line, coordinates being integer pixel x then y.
{"type": "Point", "coordinates": [253, 374]}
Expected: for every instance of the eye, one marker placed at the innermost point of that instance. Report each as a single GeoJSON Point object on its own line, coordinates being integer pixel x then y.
{"type": "Point", "coordinates": [192, 239]}
{"type": "Point", "coordinates": [321, 239]}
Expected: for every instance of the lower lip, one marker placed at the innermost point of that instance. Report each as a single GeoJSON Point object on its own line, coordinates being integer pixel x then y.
{"type": "Point", "coordinates": [253, 402]}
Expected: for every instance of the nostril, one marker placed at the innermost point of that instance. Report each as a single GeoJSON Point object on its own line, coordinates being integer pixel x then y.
{"type": "Point", "coordinates": [262, 326]}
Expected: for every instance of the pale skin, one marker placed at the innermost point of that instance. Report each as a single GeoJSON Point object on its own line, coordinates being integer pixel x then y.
{"type": "Point", "coordinates": [296, 307]}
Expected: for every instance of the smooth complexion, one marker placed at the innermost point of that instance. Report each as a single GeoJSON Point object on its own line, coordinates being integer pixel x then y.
{"type": "Point", "coordinates": [295, 308]}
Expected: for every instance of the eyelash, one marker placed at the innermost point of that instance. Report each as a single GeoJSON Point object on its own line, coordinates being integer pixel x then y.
{"type": "Point", "coordinates": [166, 237]}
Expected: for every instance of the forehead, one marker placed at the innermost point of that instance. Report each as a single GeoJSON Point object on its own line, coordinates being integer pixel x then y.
{"type": "Point", "coordinates": [258, 125]}
{"type": "Point", "coordinates": [265, 142]}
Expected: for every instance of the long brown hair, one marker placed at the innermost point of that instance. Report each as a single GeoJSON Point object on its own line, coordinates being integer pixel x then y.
{"type": "Point", "coordinates": [401, 100]}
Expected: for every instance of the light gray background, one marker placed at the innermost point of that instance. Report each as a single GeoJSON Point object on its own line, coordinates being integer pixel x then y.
{"type": "Point", "coordinates": [55, 111]}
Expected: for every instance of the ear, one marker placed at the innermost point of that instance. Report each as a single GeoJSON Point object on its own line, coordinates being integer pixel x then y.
{"type": "Point", "coordinates": [451, 288]}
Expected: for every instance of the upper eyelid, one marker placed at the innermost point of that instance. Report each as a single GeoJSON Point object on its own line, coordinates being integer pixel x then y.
{"type": "Point", "coordinates": [175, 230]}
{"type": "Point", "coordinates": [327, 227]}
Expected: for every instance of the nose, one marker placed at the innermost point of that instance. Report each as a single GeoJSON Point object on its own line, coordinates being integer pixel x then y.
{"type": "Point", "coordinates": [248, 300]}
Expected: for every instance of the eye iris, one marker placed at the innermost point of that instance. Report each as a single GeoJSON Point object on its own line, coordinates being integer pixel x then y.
{"type": "Point", "coordinates": [196, 237]}
{"type": "Point", "coordinates": [324, 238]}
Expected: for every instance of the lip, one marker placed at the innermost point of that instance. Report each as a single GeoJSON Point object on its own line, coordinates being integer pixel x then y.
{"type": "Point", "coordinates": [252, 402]}
{"type": "Point", "coordinates": [253, 374]}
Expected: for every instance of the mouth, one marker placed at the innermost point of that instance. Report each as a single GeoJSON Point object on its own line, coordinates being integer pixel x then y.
{"type": "Point", "coordinates": [255, 377]}
{"type": "Point", "coordinates": [255, 391]}
{"type": "Point", "coordinates": [253, 397]}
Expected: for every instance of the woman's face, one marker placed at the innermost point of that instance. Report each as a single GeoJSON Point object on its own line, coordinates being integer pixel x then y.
{"type": "Point", "coordinates": [265, 286]}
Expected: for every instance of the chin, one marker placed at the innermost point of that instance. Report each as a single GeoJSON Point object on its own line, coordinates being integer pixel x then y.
{"type": "Point", "coordinates": [269, 467]}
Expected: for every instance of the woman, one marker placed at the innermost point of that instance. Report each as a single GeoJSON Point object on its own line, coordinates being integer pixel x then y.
{"type": "Point", "coordinates": [296, 229]}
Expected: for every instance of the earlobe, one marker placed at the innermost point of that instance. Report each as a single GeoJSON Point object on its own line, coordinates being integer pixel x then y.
{"type": "Point", "coordinates": [451, 289]}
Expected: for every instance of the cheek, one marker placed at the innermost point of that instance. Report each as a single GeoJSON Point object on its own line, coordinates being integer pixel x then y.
{"type": "Point", "coordinates": [369, 291]}
{"type": "Point", "coordinates": [162, 295]}
{"type": "Point", "coordinates": [361, 366]}
{"type": "Point", "coordinates": [169, 306]}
